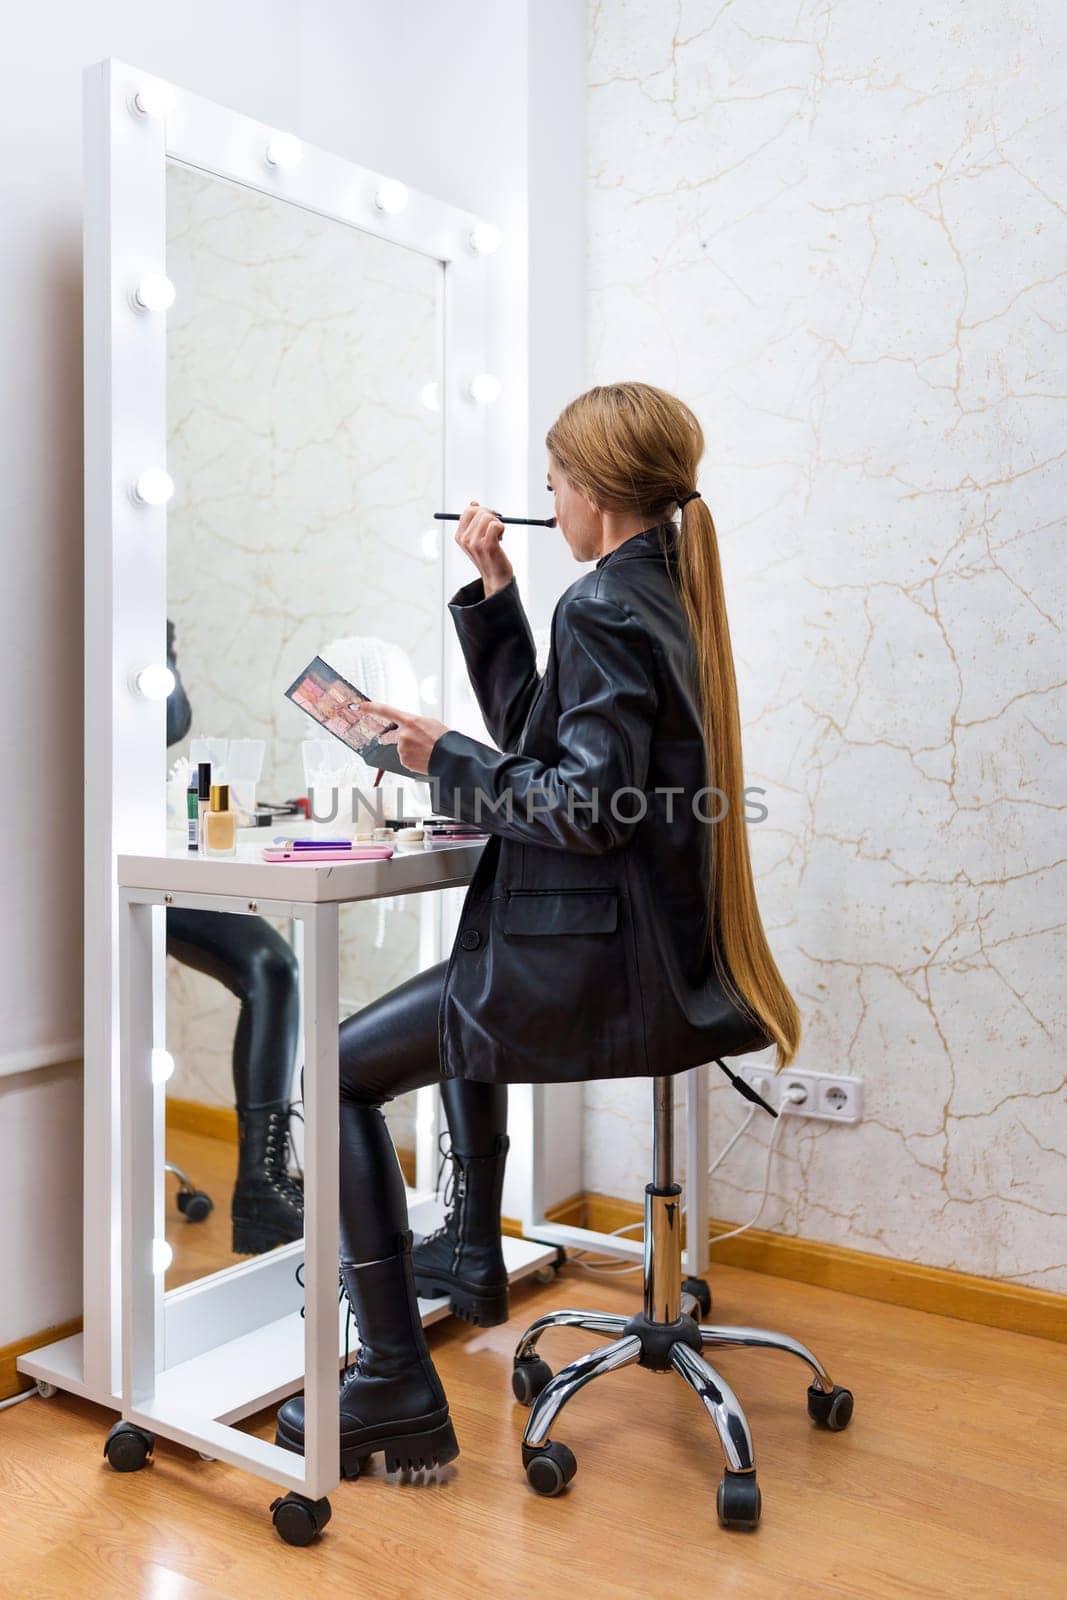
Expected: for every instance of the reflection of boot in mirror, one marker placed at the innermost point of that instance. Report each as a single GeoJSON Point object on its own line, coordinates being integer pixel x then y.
{"type": "Point", "coordinates": [391, 1397]}
{"type": "Point", "coordinates": [268, 1204]}
{"type": "Point", "coordinates": [464, 1258]}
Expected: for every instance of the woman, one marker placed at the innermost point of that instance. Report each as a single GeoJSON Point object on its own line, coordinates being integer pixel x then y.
{"type": "Point", "coordinates": [609, 931]}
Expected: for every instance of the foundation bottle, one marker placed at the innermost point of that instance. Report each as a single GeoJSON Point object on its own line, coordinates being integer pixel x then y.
{"type": "Point", "coordinates": [220, 823]}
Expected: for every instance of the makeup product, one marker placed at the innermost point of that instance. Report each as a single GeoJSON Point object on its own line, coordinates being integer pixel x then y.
{"type": "Point", "coordinates": [220, 823]}
{"type": "Point", "coordinates": [192, 812]}
{"type": "Point", "coordinates": [203, 772]}
{"type": "Point", "coordinates": [522, 522]}
{"type": "Point", "coordinates": [408, 838]}
{"type": "Point", "coordinates": [337, 705]}
{"type": "Point", "coordinates": [348, 852]}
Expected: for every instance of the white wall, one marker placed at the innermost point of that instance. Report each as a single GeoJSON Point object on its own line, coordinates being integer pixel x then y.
{"type": "Point", "coordinates": [437, 95]}
{"type": "Point", "coordinates": [839, 233]}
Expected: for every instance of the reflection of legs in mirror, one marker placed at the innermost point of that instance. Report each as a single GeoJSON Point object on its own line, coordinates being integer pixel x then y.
{"type": "Point", "coordinates": [391, 1397]}
{"type": "Point", "coordinates": [253, 961]}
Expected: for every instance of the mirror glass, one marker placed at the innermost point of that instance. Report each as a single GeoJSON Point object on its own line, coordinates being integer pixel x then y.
{"type": "Point", "coordinates": [304, 362]}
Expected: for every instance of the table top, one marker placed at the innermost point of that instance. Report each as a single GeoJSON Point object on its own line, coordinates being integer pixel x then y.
{"type": "Point", "coordinates": [247, 875]}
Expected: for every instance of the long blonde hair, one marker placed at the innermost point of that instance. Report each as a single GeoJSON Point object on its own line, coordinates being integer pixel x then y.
{"type": "Point", "coordinates": [632, 447]}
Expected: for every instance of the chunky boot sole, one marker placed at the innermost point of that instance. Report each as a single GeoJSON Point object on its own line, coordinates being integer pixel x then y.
{"type": "Point", "coordinates": [486, 1308]}
{"type": "Point", "coordinates": [255, 1238]}
{"type": "Point", "coordinates": [404, 1452]}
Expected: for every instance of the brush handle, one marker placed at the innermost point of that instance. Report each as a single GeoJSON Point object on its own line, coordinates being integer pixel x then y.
{"type": "Point", "coordinates": [525, 522]}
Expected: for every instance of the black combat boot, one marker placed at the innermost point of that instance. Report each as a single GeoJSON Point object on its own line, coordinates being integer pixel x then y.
{"type": "Point", "coordinates": [268, 1204]}
{"type": "Point", "coordinates": [464, 1258]}
{"type": "Point", "coordinates": [391, 1396]}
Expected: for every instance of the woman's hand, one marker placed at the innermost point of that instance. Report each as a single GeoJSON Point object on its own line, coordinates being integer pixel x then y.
{"type": "Point", "coordinates": [479, 533]}
{"type": "Point", "coordinates": [413, 736]}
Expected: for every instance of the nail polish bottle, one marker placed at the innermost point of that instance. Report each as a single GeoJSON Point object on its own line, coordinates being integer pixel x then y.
{"type": "Point", "coordinates": [220, 823]}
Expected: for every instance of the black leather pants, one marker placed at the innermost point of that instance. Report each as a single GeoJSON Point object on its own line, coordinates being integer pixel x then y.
{"type": "Point", "coordinates": [253, 961]}
{"type": "Point", "coordinates": [387, 1048]}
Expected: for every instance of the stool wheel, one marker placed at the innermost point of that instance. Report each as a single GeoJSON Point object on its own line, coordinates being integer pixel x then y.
{"type": "Point", "coordinates": [551, 1468]}
{"type": "Point", "coordinates": [529, 1377]}
{"type": "Point", "coordinates": [194, 1204]}
{"type": "Point", "coordinates": [127, 1447]}
{"type": "Point", "coordinates": [299, 1520]}
{"type": "Point", "coordinates": [833, 1410]}
{"type": "Point", "coordinates": [738, 1500]}
{"type": "Point", "coordinates": [698, 1288]}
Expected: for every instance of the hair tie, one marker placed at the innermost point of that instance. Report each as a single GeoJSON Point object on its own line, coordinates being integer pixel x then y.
{"type": "Point", "coordinates": [694, 494]}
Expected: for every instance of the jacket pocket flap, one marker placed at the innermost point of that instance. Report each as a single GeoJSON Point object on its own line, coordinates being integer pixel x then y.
{"type": "Point", "coordinates": [565, 911]}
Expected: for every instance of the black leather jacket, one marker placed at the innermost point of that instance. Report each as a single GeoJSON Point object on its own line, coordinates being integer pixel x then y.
{"type": "Point", "coordinates": [580, 951]}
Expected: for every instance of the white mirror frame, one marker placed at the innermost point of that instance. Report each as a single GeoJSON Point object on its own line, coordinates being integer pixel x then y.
{"type": "Point", "coordinates": [126, 156]}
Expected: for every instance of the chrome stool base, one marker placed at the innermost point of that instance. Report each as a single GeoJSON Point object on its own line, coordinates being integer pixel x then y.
{"type": "Point", "coordinates": [665, 1337]}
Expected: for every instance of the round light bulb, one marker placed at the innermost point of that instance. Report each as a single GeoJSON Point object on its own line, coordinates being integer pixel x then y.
{"type": "Point", "coordinates": [162, 1065]}
{"type": "Point", "coordinates": [162, 1256]}
{"type": "Point", "coordinates": [485, 238]}
{"type": "Point", "coordinates": [430, 544]}
{"type": "Point", "coordinates": [284, 151]}
{"type": "Point", "coordinates": [153, 99]}
{"type": "Point", "coordinates": [391, 196]}
{"type": "Point", "coordinates": [153, 488]}
{"type": "Point", "coordinates": [155, 682]}
{"type": "Point", "coordinates": [485, 388]}
{"type": "Point", "coordinates": [154, 293]}
{"type": "Point", "coordinates": [430, 397]}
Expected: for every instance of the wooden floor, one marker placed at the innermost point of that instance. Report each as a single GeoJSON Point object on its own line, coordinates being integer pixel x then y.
{"type": "Point", "coordinates": [951, 1480]}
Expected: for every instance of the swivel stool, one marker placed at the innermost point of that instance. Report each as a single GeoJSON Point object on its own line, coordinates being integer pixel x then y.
{"type": "Point", "coordinates": [665, 1336]}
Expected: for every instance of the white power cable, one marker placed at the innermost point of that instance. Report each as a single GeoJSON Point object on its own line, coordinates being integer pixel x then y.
{"type": "Point", "coordinates": [607, 1267]}
{"type": "Point", "coordinates": [17, 1399]}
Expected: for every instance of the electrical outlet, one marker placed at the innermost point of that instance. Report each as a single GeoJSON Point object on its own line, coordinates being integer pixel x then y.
{"type": "Point", "coordinates": [826, 1096]}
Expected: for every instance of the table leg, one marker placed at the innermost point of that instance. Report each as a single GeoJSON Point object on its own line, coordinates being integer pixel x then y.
{"type": "Point", "coordinates": [696, 1173]}
{"type": "Point", "coordinates": [322, 1446]}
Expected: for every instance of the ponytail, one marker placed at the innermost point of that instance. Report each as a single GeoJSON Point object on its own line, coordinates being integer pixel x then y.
{"type": "Point", "coordinates": [740, 950]}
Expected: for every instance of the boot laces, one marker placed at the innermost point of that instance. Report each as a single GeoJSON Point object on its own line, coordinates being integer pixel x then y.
{"type": "Point", "coordinates": [351, 1368]}
{"type": "Point", "coordinates": [455, 1186]}
{"type": "Point", "coordinates": [278, 1152]}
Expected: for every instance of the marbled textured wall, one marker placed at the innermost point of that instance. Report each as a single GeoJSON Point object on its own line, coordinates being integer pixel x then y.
{"type": "Point", "coordinates": [307, 468]}
{"type": "Point", "coordinates": [838, 231]}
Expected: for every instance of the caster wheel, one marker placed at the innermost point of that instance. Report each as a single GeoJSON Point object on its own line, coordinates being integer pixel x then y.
{"type": "Point", "coordinates": [299, 1521]}
{"type": "Point", "coordinates": [127, 1447]}
{"type": "Point", "coordinates": [46, 1390]}
{"type": "Point", "coordinates": [546, 1274]}
{"type": "Point", "coordinates": [700, 1292]}
{"type": "Point", "coordinates": [195, 1205]}
{"type": "Point", "coordinates": [738, 1500]}
{"type": "Point", "coordinates": [529, 1378]}
{"type": "Point", "coordinates": [833, 1410]}
{"type": "Point", "coordinates": [205, 1457]}
{"type": "Point", "coordinates": [549, 1467]}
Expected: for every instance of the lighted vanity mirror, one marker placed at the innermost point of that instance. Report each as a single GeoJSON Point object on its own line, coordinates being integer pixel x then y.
{"type": "Point", "coordinates": [304, 375]}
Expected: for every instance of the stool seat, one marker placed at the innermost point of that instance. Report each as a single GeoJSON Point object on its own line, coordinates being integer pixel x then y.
{"type": "Point", "coordinates": [667, 1335]}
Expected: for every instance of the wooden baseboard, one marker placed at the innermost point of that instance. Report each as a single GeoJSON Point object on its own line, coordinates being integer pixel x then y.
{"type": "Point", "coordinates": [14, 1382]}
{"type": "Point", "coordinates": [211, 1122]}
{"type": "Point", "coordinates": [1015, 1307]}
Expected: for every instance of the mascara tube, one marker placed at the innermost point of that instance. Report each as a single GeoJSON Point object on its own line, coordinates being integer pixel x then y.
{"type": "Point", "coordinates": [203, 801]}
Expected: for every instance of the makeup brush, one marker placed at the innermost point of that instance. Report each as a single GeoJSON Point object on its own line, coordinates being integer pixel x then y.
{"type": "Point", "coordinates": [525, 522]}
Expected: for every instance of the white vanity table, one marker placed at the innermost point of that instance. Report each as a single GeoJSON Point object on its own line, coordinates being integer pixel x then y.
{"type": "Point", "coordinates": [199, 1358]}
